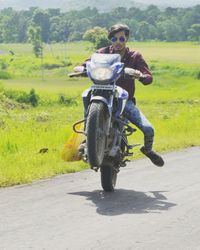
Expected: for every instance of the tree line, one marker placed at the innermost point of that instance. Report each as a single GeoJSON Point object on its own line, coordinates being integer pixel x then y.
{"type": "Point", "coordinates": [53, 25]}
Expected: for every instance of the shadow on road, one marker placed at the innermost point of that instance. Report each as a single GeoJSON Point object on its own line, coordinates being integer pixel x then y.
{"type": "Point", "coordinates": [127, 201]}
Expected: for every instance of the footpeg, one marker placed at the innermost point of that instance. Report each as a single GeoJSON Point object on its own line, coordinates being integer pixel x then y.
{"type": "Point", "coordinates": [129, 130]}
{"type": "Point", "coordinates": [128, 154]}
{"type": "Point", "coordinates": [123, 163]}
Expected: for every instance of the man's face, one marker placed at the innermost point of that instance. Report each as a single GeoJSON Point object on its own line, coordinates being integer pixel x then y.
{"type": "Point", "coordinates": [119, 41]}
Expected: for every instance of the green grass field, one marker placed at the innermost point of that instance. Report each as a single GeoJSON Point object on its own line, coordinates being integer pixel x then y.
{"type": "Point", "coordinates": [171, 103]}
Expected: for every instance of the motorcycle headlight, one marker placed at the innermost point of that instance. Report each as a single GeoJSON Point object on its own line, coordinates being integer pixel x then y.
{"type": "Point", "coordinates": [101, 74]}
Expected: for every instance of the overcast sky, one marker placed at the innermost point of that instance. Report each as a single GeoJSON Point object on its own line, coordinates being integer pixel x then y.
{"type": "Point", "coordinates": [18, 4]}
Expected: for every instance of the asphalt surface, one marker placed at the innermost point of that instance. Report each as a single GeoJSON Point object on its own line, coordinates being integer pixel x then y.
{"type": "Point", "coordinates": [152, 208]}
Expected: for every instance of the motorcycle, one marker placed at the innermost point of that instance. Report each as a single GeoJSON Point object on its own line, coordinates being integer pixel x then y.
{"type": "Point", "coordinates": [106, 128]}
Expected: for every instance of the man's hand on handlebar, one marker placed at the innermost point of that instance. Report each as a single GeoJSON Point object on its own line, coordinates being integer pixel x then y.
{"type": "Point", "coordinates": [133, 73]}
{"type": "Point", "coordinates": [78, 71]}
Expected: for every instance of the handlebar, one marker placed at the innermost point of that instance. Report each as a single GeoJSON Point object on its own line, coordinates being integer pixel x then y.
{"type": "Point", "coordinates": [75, 74]}
{"type": "Point", "coordinates": [128, 73]}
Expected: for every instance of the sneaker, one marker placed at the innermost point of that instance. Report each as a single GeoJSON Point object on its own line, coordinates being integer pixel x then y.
{"type": "Point", "coordinates": [153, 156]}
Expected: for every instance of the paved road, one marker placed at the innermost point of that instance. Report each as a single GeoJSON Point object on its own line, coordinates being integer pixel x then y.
{"type": "Point", "coordinates": [152, 209]}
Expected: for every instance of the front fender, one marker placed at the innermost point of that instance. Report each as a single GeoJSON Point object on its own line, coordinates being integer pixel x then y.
{"type": "Point", "coordinates": [104, 100]}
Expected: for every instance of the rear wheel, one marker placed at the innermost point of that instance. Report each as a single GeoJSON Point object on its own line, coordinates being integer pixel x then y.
{"type": "Point", "coordinates": [96, 133]}
{"type": "Point", "coordinates": [108, 177]}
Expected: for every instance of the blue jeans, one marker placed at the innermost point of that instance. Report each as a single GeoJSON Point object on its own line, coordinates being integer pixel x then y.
{"type": "Point", "coordinates": [136, 117]}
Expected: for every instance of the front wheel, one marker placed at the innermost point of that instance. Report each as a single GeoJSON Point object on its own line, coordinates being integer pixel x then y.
{"type": "Point", "coordinates": [96, 133]}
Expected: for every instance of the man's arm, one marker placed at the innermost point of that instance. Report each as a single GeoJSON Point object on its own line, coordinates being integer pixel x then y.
{"type": "Point", "coordinates": [142, 66]}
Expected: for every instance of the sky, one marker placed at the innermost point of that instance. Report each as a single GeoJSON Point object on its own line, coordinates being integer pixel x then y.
{"type": "Point", "coordinates": [18, 4]}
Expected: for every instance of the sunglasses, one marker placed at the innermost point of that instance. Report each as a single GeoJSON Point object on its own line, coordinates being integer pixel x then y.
{"type": "Point", "coordinates": [114, 39]}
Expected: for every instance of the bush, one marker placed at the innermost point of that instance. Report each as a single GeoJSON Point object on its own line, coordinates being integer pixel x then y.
{"type": "Point", "coordinates": [198, 75]}
{"type": "Point", "coordinates": [66, 100]}
{"type": "Point", "coordinates": [3, 65]}
{"type": "Point", "coordinates": [7, 104]}
{"type": "Point", "coordinates": [23, 97]}
{"type": "Point", "coordinates": [5, 75]}
{"type": "Point", "coordinates": [33, 98]}
{"type": "Point", "coordinates": [102, 41]}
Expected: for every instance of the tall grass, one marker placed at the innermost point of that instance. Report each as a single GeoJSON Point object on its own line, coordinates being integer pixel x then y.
{"type": "Point", "coordinates": [23, 135]}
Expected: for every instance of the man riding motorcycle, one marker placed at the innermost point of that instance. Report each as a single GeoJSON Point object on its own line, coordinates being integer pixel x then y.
{"type": "Point", "coordinates": [118, 35]}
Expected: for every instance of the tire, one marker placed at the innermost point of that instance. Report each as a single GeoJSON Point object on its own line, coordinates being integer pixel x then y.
{"type": "Point", "coordinates": [108, 178]}
{"type": "Point", "coordinates": [96, 133]}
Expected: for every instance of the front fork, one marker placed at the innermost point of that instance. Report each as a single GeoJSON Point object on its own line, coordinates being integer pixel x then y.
{"type": "Point", "coordinates": [108, 103]}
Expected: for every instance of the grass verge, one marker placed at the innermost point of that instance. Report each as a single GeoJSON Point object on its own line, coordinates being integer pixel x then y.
{"type": "Point", "coordinates": [171, 103]}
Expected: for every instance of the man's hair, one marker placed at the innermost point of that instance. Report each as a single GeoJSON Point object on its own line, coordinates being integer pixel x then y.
{"type": "Point", "coordinates": [117, 28]}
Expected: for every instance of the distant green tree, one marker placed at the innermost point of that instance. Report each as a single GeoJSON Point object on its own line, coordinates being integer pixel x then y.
{"type": "Point", "coordinates": [146, 31]}
{"type": "Point", "coordinates": [143, 31]}
{"type": "Point", "coordinates": [87, 12]}
{"type": "Point", "coordinates": [9, 31]}
{"type": "Point", "coordinates": [53, 12]}
{"type": "Point", "coordinates": [103, 20]}
{"type": "Point", "coordinates": [153, 13]}
{"type": "Point", "coordinates": [136, 13]}
{"type": "Point", "coordinates": [169, 30]}
{"type": "Point", "coordinates": [133, 25]}
{"type": "Point", "coordinates": [34, 34]}
{"type": "Point", "coordinates": [191, 16]}
{"type": "Point", "coordinates": [119, 12]}
{"type": "Point", "coordinates": [75, 36]}
{"type": "Point", "coordinates": [55, 23]}
{"type": "Point", "coordinates": [171, 24]}
{"type": "Point", "coordinates": [1, 30]}
{"type": "Point", "coordinates": [171, 12]}
{"type": "Point", "coordinates": [22, 25]}
{"type": "Point", "coordinates": [41, 19]}
{"type": "Point", "coordinates": [78, 28]}
{"type": "Point", "coordinates": [194, 32]}
{"type": "Point", "coordinates": [97, 36]}
{"type": "Point", "coordinates": [64, 28]}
